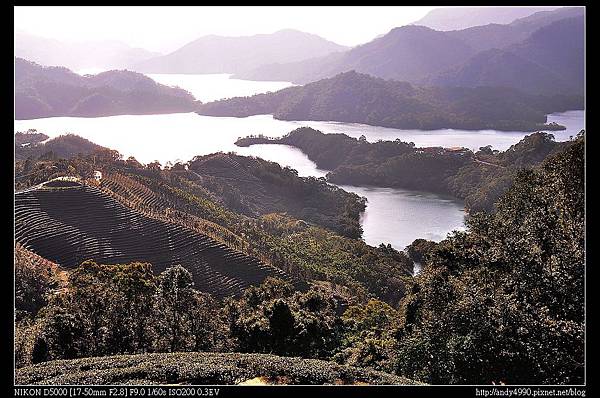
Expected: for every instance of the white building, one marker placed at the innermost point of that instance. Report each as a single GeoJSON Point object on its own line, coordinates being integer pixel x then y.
{"type": "Point", "coordinates": [97, 175]}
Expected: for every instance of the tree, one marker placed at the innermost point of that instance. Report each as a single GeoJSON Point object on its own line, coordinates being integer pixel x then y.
{"type": "Point", "coordinates": [34, 282]}
{"type": "Point", "coordinates": [28, 165]}
{"type": "Point", "coordinates": [369, 336]}
{"type": "Point", "coordinates": [154, 165]}
{"type": "Point", "coordinates": [419, 250]}
{"type": "Point", "coordinates": [272, 318]}
{"type": "Point", "coordinates": [281, 325]}
{"type": "Point", "coordinates": [175, 298]}
{"type": "Point", "coordinates": [486, 150]}
{"type": "Point", "coordinates": [208, 328]}
{"type": "Point", "coordinates": [518, 276]}
{"type": "Point", "coordinates": [107, 309]}
{"type": "Point", "coordinates": [60, 335]}
{"type": "Point", "coordinates": [132, 162]}
{"type": "Point", "coordinates": [136, 285]}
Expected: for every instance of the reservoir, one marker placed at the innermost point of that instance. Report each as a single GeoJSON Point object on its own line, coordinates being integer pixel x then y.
{"type": "Point", "coordinates": [392, 216]}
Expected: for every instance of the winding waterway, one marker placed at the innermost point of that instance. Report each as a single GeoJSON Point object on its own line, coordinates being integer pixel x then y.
{"type": "Point", "coordinates": [392, 216]}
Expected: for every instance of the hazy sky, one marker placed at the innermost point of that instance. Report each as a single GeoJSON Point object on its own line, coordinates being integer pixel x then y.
{"type": "Point", "coordinates": [165, 29]}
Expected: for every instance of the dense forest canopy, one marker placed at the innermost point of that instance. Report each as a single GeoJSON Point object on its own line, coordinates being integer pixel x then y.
{"type": "Point", "coordinates": [517, 274]}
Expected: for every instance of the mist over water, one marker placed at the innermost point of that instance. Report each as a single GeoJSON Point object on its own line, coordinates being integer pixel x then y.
{"type": "Point", "coordinates": [393, 216]}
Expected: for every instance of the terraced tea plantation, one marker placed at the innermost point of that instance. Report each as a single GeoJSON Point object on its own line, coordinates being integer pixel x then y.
{"type": "Point", "coordinates": [68, 223]}
{"type": "Point", "coordinates": [200, 368]}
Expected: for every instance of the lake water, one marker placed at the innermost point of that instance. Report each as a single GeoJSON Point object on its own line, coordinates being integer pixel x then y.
{"type": "Point", "coordinates": [399, 216]}
{"type": "Point", "coordinates": [214, 87]}
{"type": "Point", "coordinates": [393, 216]}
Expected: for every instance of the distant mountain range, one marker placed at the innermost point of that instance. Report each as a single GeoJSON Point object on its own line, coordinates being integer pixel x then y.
{"type": "Point", "coordinates": [453, 18]}
{"type": "Point", "coordinates": [57, 91]}
{"type": "Point", "coordinates": [108, 54]}
{"type": "Point", "coordinates": [218, 54]}
{"type": "Point", "coordinates": [423, 56]}
{"type": "Point", "coordinates": [539, 50]}
{"type": "Point", "coordinates": [540, 54]}
{"type": "Point", "coordinates": [549, 61]}
{"type": "Point", "coordinates": [359, 98]}
{"type": "Point", "coordinates": [408, 53]}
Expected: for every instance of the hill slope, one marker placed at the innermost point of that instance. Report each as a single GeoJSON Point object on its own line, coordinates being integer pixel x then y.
{"type": "Point", "coordinates": [186, 198]}
{"type": "Point", "coordinates": [74, 223]}
{"type": "Point", "coordinates": [56, 91]}
{"type": "Point", "coordinates": [218, 54]}
{"type": "Point", "coordinates": [256, 187]}
{"type": "Point", "coordinates": [498, 36]}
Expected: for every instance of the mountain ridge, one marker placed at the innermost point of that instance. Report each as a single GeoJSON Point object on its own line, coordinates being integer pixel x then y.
{"type": "Point", "coordinates": [228, 54]}
{"type": "Point", "coordinates": [452, 18]}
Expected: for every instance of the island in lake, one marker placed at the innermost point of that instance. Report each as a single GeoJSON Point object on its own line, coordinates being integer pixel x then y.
{"type": "Point", "coordinates": [353, 97]}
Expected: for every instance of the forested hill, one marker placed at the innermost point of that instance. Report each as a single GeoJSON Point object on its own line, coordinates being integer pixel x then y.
{"type": "Point", "coordinates": [56, 91]}
{"type": "Point", "coordinates": [254, 187]}
{"type": "Point", "coordinates": [358, 98]}
{"type": "Point", "coordinates": [480, 178]}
